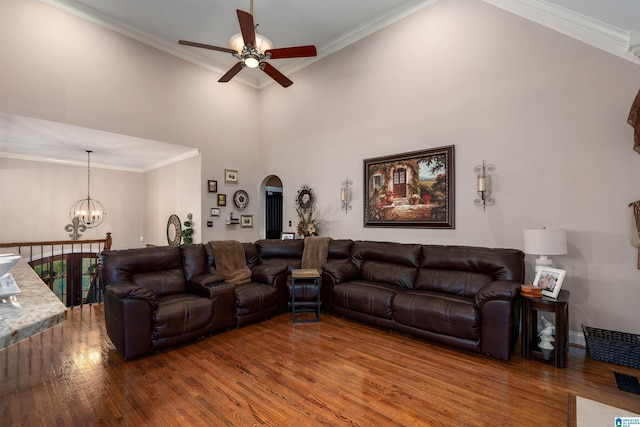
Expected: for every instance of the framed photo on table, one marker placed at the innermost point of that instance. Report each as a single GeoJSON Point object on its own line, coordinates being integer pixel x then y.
{"type": "Point", "coordinates": [287, 236]}
{"type": "Point", "coordinates": [550, 280]}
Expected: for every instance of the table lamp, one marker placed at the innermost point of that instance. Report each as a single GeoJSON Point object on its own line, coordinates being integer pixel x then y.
{"type": "Point", "coordinates": [544, 242]}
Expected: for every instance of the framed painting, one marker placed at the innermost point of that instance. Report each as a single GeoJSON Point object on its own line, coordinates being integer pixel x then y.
{"type": "Point", "coordinates": [213, 186]}
{"type": "Point", "coordinates": [550, 280]}
{"type": "Point", "coordinates": [222, 200]}
{"type": "Point", "coordinates": [231, 176]}
{"type": "Point", "coordinates": [246, 221]}
{"type": "Point", "coordinates": [214, 212]}
{"type": "Point", "coordinates": [414, 190]}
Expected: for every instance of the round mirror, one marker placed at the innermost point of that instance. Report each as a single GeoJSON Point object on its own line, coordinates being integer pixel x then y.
{"type": "Point", "coordinates": [174, 231]}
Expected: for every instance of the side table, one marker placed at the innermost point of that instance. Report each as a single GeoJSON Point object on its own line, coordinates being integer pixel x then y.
{"type": "Point", "coordinates": [529, 345]}
{"type": "Point", "coordinates": [303, 278]}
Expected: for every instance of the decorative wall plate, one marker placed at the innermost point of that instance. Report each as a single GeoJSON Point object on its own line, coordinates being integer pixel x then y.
{"type": "Point", "coordinates": [174, 230]}
{"type": "Point", "coordinates": [241, 199]}
{"type": "Point", "coordinates": [305, 198]}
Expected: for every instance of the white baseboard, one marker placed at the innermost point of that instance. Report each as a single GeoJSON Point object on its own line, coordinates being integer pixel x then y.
{"type": "Point", "coordinates": [577, 338]}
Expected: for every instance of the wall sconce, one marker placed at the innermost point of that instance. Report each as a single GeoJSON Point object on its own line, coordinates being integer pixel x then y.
{"type": "Point", "coordinates": [345, 195]}
{"type": "Point", "coordinates": [484, 185]}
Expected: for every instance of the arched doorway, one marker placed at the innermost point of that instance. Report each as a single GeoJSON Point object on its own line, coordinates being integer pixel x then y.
{"type": "Point", "coordinates": [273, 207]}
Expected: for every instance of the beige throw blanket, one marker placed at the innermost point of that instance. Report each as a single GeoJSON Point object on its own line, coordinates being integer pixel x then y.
{"type": "Point", "coordinates": [231, 262]}
{"type": "Point", "coordinates": [315, 252]}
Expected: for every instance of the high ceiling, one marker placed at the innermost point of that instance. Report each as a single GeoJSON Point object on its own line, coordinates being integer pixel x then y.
{"type": "Point", "coordinates": [611, 25]}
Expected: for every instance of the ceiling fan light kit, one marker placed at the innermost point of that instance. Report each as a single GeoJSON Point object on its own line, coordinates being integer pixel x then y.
{"type": "Point", "coordinates": [254, 50]}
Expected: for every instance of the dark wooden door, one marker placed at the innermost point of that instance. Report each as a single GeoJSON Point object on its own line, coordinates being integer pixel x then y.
{"type": "Point", "coordinates": [400, 183]}
{"type": "Point", "coordinates": [273, 217]}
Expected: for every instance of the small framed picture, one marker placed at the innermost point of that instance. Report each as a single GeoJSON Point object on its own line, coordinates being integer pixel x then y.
{"type": "Point", "coordinates": [246, 221]}
{"type": "Point", "coordinates": [287, 236]}
{"type": "Point", "coordinates": [222, 200]}
{"type": "Point", "coordinates": [213, 186]}
{"type": "Point", "coordinates": [215, 212]}
{"type": "Point", "coordinates": [550, 280]}
{"type": "Point", "coordinates": [231, 176]}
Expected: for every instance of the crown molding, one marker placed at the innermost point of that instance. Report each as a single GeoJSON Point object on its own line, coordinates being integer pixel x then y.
{"type": "Point", "coordinates": [166, 162]}
{"type": "Point", "coordinates": [80, 10]}
{"type": "Point", "coordinates": [596, 33]}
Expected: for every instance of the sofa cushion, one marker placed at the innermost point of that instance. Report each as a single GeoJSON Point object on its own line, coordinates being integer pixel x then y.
{"type": "Point", "coordinates": [194, 259]}
{"type": "Point", "coordinates": [366, 297]}
{"type": "Point", "coordinates": [440, 313]}
{"type": "Point", "coordinates": [180, 314]}
{"type": "Point", "coordinates": [255, 297]}
{"type": "Point", "coordinates": [275, 252]}
{"type": "Point", "coordinates": [162, 282]}
{"type": "Point", "coordinates": [500, 264]}
{"type": "Point", "coordinates": [119, 266]}
{"type": "Point", "coordinates": [339, 250]}
{"type": "Point", "coordinates": [384, 262]}
{"type": "Point", "coordinates": [462, 283]}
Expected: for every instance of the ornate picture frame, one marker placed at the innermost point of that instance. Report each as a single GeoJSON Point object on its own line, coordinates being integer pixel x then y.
{"type": "Point", "coordinates": [246, 221]}
{"type": "Point", "coordinates": [413, 190]}
{"type": "Point", "coordinates": [212, 186]}
{"type": "Point", "coordinates": [231, 176]}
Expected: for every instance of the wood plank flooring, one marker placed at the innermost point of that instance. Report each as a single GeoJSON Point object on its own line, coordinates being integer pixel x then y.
{"type": "Point", "coordinates": [275, 373]}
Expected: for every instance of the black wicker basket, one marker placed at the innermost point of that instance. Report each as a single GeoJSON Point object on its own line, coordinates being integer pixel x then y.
{"type": "Point", "coordinates": [616, 347]}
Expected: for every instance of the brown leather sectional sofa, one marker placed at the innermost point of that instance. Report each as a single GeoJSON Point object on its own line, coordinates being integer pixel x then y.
{"type": "Point", "coordinates": [464, 297]}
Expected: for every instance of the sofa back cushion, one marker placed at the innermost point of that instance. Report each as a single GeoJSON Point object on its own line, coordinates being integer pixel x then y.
{"type": "Point", "coordinates": [339, 250]}
{"type": "Point", "coordinates": [156, 268]}
{"type": "Point", "coordinates": [194, 259]}
{"type": "Point", "coordinates": [464, 270]}
{"type": "Point", "coordinates": [279, 252]}
{"type": "Point", "coordinates": [386, 262]}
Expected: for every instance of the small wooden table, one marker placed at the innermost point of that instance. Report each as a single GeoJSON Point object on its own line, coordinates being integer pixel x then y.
{"type": "Point", "coordinates": [560, 308]}
{"type": "Point", "coordinates": [305, 275]}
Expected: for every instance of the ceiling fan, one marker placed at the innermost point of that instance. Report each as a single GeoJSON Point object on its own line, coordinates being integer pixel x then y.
{"type": "Point", "coordinates": [250, 56]}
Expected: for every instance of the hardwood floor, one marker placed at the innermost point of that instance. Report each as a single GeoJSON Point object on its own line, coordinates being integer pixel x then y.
{"type": "Point", "coordinates": [336, 372]}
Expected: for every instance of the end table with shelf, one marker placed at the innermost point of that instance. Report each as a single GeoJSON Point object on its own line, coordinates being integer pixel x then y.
{"type": "Point", "coordinates": [530, 313]}
{"type": "Point", "coordinates": [301, 278]}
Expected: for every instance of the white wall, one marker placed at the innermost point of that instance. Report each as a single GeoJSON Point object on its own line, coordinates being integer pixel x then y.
{"type": "Point", "coordinates": [548, 111]}
{"type": "Point", "coordinates": [63, 68]}
{"type": "Point", "coordinates": [36, 198]}
{"type": "Point", "coordinates": [172, 189]}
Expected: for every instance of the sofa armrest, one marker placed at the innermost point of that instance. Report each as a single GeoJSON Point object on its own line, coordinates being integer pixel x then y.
{"type": "Point", "coordinates": [128, 312]}
{"type": "Point", "coordinates": [265, 273]}
{"type": "Point", "coordinates": [498, 290]}
{"type": "Point", "coordinates": [340, 272]}
{"type": "Point", "coordinates": [203, 284]}
{"type": "Point", "coordinates": [131, 291]}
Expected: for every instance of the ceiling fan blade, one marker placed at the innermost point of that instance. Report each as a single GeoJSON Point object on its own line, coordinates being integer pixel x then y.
{"type": "Point", "coordinates": [206, 46]}
{"type": "Point", "coordinates": [275, 74]}
{"type": "Point", "coordinates": [247, 27]}
{"type": "Point", "coordinates": [292, 52]}
{"type": "Point", "coordinates": [232, 72]}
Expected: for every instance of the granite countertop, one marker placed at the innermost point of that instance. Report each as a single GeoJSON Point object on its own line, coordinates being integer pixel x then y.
{"type": "Point", "coordinates": [39, 308]}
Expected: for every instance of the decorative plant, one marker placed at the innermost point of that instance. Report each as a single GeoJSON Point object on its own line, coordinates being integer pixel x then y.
{"type": "Point", "coordinates": [415, 199]}
{"type": "Point", "coordinates": [187, 232]}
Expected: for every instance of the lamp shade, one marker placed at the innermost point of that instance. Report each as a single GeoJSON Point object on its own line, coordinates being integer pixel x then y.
{"type": "Point", "coordinates": [545, 241]}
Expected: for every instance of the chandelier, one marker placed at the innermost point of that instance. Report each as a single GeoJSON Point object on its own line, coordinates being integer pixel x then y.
{"type": "Point", "coordinates": [89, 212]}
